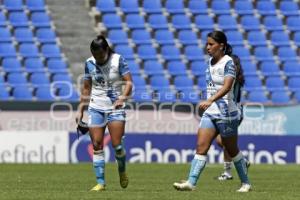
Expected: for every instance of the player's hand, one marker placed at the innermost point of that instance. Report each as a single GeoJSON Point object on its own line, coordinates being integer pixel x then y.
{"type": "Point", "coordinates": [119, 104]}
{"type": "Point", "coordinates": [79, 117]}
{"type": "Point", "coordinates": [205, 104]}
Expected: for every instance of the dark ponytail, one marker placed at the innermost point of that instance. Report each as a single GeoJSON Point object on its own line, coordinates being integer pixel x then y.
{"type": "Point", "coordinates": [239, 70]}
{"type": "Point", "coordinates": [220, 37]}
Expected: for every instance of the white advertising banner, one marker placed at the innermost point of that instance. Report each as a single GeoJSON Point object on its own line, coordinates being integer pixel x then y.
{"type": "Point", "coordinates": [34, 147]}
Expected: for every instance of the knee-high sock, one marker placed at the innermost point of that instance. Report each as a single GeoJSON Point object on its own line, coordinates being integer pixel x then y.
{"type": "Point", "coordinates": [241, 168]}
{"type": "Point", "coordinates": [227, 168]}
{"type": "Point", "coordinates": [197, 166]}
{"type": "Point", "coordinates": [120, 155]}
{"type": "Point", "coordinates": [99, 166]}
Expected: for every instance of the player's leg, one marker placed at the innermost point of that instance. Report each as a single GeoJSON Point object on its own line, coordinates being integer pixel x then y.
{"type": "Point", "coordinates": [206, 134]}
{"type": "Point", "coordinates": [116, 127]}
{"type": "Point", "coordinates": [97, 130]}
{"type": "Point", "coordinates": [226, 175]}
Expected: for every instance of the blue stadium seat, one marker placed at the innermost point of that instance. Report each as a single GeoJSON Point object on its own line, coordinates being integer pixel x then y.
{"type": "Point", "coordinates": [11, 65]}
{"type": "Point", "coordinates": [165, 95]}
{"type": "Point", "coordinates": [279, 38]}
{"type": "Point", "coordinates": [4, 94]}
{"type": "Point", "coordinates": [138, 82]}
{"type": "Point", "coordinates": [56, 65]}
{"type": "Point", "coordinates": [39, 78]}
{"type": "Point", "coordinates": [220, 7]}
{"type": "Point", "coordinates": [35, 5]}
{"type": "Point", "coordinates": [252, 83]}
{"type": "Point", "coordinates": [176, 68]}
{"type": "Point", "coordinates": [51, 51]}
{"type": "Point", "coordinates": [258, 96]}
{"type": "Point", "coordinates": [201, 82]}
{"type": "Point", "coordinates": [125, 51]}
{"type": "Point", "coordinates": [7, 50]}
{"type": "Point", "coordinates": [164, 37]}
{"type": "Point", "coordinates": [23, 35]}
{"type": "Point", "coordinates": [158, 21]}
{"type": "Point", "coordinates": [133, 67]}
{"type": "Point", "coordinates": [22, 93]}
{"type": "Point", "coordinates": [269, 68]}
{"type": "Point", "coordinates": [193, 52]}
{"type": "Point", "coordinates": [46, 35]}
{"type": "Point", "coordinates": [275, 83]}
{"type": "Point", "coordinates": [293, 23]}
{"type": "Point", "coordinates": [181, 21]}
{"type": "Point", "coordinates": [257, 38]}
{"type": "Point", "coordinates": [44, 93]}
{"type": "Point", "coordinates": [227, 22]}
{"type": "Point", "coordinates": [291, 68]}
{"type": "Point", "coordinates": [242, 52]}
{"type": "Point", "coordinates": [141, 36]}
{"type": "Point", "coordinates": [135, 21]}
{"type": "Point", "coordinates": [15, 78]}
{"type": "Point", "coordinates": [170, 52]}
{"type": "Point", "coordinates": [263, 53]}
{"type": "Point", "coordinates": [234, 37]}
{"type": "Point", "coordinates": [146, 52]}
{"type": "Point", "coordinates": [152, 6]}
{"type": "Point", "coordinates": [242, 7]}
{"type": "Point", "coordinates": [159, 82]}
{"type": "Point", "coordinates": [40, 19]}
{"type": "Point", "coordinates": [142, 95]}
{"type": "Point", "coordinates": [18, 19]}
{"type": "Point", "coordinates": [280, 97]}
{"type": "Point", "coordinates": [297, 96]}
{"type": "Point", "coordinates": [294, 83]}
{"type": "Point", "coordinates": [68, 94]}
{"type": "Point", "coordinates": [189, 95]}
{"type": "Point", "coordinates": [34, 65]}
{"type": "Point", "coordinates": [118, 36]}
{"type": "Point", "coordinates": [131, 6]}
{"type": "Point", "coordinates": [273, 23]}
{"type": "Point", "coordinates": [15, 5]}
{"type": "Point", "coordinates": [197, 7]}
{"type": "Point", "coordinates": [153, 67]}
{"type": "Point", "coordinates": [187, 37]}
{"type": "Point", "coordinates": [112, 21]}
{"type": "Point", "coordinates": [266, 8]}
{"type": "Point", "coordinates": [3, 21]}
{"type": "Point", "coordinates": [28, 50]}
{"type": "Point", "coordinates": [248, 68]}
{"type": "Point", "coordinates": [289, 8]}
{"type": "Point", "coordinates": [297, 38]}
{"type": "Point", "coordinates": [204, 36]}
{"type": "Point", "coordinates": [204, 22]}
{"type": "Point", "coordinates": [286, 53]}
{"type": "Point", "coordinates": [250, 23]}
{"type": "Point", "coordinates": [174, 7]}
{"type": "Point", "coordinates": [64, 77]}
{"type": "Point", "coordinates": [2, 81]}
{"type": "Point", "coordinates": [106, 6]}
{"type": "Point", "coordinates": [5, 35]}
{"type": "Point", "coordinates": [183, 82]}
{"type": "Point", "coordinates": [198, 68]}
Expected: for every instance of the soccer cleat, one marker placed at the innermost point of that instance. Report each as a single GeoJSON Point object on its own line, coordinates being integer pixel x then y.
{"type": "Point", "coordinates": [225, 177]}
{"type": "Point", "coordinates": [98, 187]}
{"type": "Point", "coordinates": [123, 179]}
{"type": "Point", "coordinates": [184, 186]}
{"type": "Point", "coordinates": [245, 188]}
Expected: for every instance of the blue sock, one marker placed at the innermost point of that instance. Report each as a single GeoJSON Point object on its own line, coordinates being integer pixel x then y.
{"type": "Point", "coordinates": [241, 168]}
{"type": "Point", "coordinates": [120, 155]}
{"type": "Point", "coordinates": [99, 166]}
{"type": "Point", "coordinates": [197, 166]}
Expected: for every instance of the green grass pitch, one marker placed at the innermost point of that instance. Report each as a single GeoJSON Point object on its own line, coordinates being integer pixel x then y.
{"type": "Point", "coordinates": [147, 181]}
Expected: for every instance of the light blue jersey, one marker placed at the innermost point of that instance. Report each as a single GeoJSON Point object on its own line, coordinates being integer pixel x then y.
{"type": "Point", "coordinates": [106, 81]}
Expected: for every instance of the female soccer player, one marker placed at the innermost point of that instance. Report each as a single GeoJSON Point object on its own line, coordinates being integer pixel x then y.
{"type": "Point", "coordinates": [220, 113]}
{"type": "Point", "coordinates": [105, 74]}
{"type": "Point", "coordinates": [239, 83]}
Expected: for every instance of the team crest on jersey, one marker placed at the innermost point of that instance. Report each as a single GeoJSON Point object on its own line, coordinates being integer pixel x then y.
{"type": "Point", "coordinates": [99, 79]}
